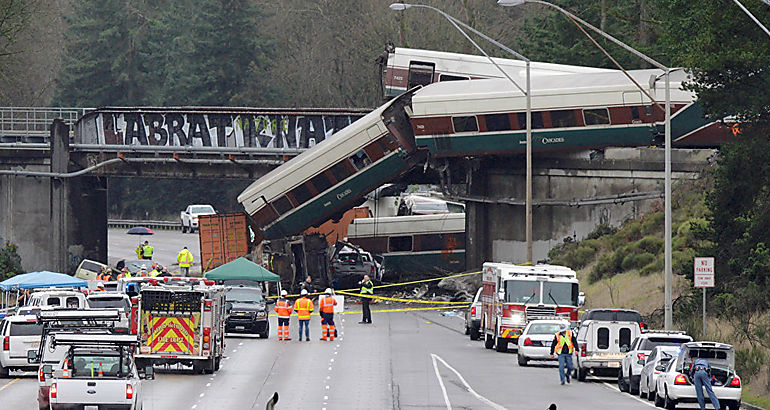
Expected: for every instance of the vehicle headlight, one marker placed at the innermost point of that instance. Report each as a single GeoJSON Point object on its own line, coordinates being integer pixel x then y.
{"type": "Point", "coordinates": [261, 314]}
{"type": "Point", "coordinates": [518, 317]}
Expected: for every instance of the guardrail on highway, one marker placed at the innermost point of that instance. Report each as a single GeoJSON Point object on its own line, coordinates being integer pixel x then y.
{"type": "Point", "coordinates": [130, 223]}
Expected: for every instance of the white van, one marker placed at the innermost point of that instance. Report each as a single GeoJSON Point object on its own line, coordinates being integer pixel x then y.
{"type": "Point", "coordinates": [603, 344]}
{"type": "Point", "coordinates": [55, 299]}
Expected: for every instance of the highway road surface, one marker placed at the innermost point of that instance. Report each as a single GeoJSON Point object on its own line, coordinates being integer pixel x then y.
{"type": "Point", "coordinates": [167, 244]}
{"type": "Point", "coordinates": [405, 360]}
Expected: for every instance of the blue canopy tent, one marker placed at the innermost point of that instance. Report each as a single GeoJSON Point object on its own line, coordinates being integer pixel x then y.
{"type": "Point", "coordinates": [32, 280]}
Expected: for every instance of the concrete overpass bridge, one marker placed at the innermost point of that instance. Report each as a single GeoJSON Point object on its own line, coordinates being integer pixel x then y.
{"type": "Point", "coordinates": [53, 186]}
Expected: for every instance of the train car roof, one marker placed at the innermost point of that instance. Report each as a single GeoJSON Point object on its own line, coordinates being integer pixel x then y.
{"type": "Point", "coordinates": [548, 94]}
{"type": "Point", "coordinates": [537, 68]}
{"type": "Point", "coordinates": [406, 225]}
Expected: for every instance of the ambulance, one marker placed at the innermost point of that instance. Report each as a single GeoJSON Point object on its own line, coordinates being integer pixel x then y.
{"type": "Point", "coordinates": [512, 295]}
{"type": "Point", "coordinates": [181, 323]}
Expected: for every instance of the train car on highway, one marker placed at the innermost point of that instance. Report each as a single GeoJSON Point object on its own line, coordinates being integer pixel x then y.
{"type": "Point", "coordinates": [513, 295]}
{"type": "Point", "coordinates": [413, 245]}
{"type": "Point", "coordinates": [333, 176]}
{"type": "Point", "coordinates": [403, 68]}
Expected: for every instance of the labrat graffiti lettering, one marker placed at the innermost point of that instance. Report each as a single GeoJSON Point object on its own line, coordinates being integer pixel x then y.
{"type": "Point", "coordinates": [289, 130]}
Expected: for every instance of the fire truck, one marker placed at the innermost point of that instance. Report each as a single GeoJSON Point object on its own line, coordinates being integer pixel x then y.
{"type": "Point", "coordinates": [512, 295]}
{"type": "Point", "coordinates": [181, 322]}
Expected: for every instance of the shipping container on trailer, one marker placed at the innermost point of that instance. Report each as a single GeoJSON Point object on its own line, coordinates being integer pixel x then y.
{"type": "Point", "coordinates": [223, 238]}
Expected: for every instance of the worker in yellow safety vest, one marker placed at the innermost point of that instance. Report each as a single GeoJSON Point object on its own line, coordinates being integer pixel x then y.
{"type": "Point", "coordinates": [185, 259]}
{"type": "Point", "coordinates": [283, 309]}
{"type": "Point", "coordinates": [147, 250]}
{"type": "Point", "coordinates": [139, 251]}
{"type": "Point", "coordinates": [155, 270]}
{"type": "Point", "coordinates": [303, 306]}
{"type": "Point", "coordinates": [367, 289]}
{"type": "Point", "coordinates": [326, 307]}
{"type": "Point", "coordinates": [564, 344]}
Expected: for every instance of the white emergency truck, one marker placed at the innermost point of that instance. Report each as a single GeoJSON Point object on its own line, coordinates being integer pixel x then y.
{"type": "Point", "coordinates": [603, 344]}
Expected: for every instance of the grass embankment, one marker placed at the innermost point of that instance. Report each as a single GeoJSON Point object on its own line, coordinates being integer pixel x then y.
{"type": "Point", "coordinates": [623, 267]}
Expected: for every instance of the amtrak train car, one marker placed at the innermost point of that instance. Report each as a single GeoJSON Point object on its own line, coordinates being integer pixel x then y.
{"type": "Point", "coordinates": [331, 177]}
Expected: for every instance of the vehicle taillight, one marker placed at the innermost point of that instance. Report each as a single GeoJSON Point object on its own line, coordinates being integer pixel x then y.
{"type": "Point", "coordinates": [642, 325]}
{"type": "Point", "coordinates": [129, 391]}
{"type": "Point", "coordinates": [207, 305]}
{"type": "Point", "coordinates": [52, 391]}
{"type": "Point", "coordinates": [583, 350]}
{"type": "Point", "coordinates": [40, 374]}
{"type": "Point", "coordinates": [371, 269]}
{"type": "Point", "coordinates": [640, 356]}
{"type": "Point", "coordinates": [206, 337]}
{"type": "Point", "coordinates": [527, 342]}
{"type": "Point", "coordinates": [735, 382]}
{"type": "Point", "coordinates": [6, 343]}
{"type": "Point", "coordinates": [208, 282]}
{"type": "Point", "coordinates": [473, 310]}
{"type": "Point", "coordinates": [680, 379]}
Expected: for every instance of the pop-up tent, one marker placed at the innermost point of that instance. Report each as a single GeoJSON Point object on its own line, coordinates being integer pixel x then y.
{"type": "Point", "coordinates": [242, 269]}
{"type": "Point", "coordinates": [42, 279]}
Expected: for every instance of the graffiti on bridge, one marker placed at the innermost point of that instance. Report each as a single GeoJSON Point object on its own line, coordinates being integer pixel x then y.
{"type": "Point", "coordinates": [212, 130]}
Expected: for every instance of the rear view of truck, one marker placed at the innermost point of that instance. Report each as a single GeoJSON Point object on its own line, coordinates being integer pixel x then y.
{"type": "Point", "coordinates": [182, 324]}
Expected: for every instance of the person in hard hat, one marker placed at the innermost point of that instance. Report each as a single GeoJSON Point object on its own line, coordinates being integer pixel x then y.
{"type": "Point", "coordinates": [185, 259]}
{"type": "Point", "coordinates": [367, 290]}
{"type": "Point", "coordinates": [147, 250]}
{"type": "Point", "coordinates": [142, 271]}
{"type": "Point", "coordinates": [303, 306]}
{"type": "Point", "coordinates": [124, 273]}
{"type": "Point", "coordinates": [326, 307]}
{"type": "Point", "coordinates": [139, 251]}
{"type": "Point", "coordinates": [99, 287]}
{"type": "Point", "coordinates": [283, 309]}
{"type": "Point", "coordinates": [155, 270]}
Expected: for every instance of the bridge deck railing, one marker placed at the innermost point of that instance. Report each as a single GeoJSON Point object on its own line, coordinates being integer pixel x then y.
{"type": "Point", "coordinates": [32, 124]}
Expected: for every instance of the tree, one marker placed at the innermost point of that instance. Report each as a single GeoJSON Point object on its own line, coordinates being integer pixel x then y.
{"type": "Point", "coordinates": [10, 261]}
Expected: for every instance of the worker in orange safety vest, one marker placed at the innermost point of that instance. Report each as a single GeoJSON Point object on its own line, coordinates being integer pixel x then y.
{"type": "Point", "coordinates": [303, 306]}
{"type": "Point", "coordinates": [283, 309]}
{"type": "Point", "coordinates": [326, 307]}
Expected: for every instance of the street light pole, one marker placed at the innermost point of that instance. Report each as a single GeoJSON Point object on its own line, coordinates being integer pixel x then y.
{"type": "Point", "coordinates": [748, 13]}
{"type": "Point", "coordinates": [528, 94]}
{"type": "Point", "coordinates": [668, 275]}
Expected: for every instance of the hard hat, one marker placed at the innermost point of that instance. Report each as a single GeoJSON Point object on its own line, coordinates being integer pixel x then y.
{"type": "Point", "coordinates": [143, 267]}
{"type": "Point", "coordinates": [99, 284]}
{"type": "Point", "coordinates": [284, 292]}
{"type": "Point", "coordinates": [328, 291]}
{"type": "Point", "coordinates": [304, 292]}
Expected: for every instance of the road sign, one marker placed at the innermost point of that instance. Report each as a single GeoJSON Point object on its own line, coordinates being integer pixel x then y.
{"type": "Point", "coordinates": [704, 272]}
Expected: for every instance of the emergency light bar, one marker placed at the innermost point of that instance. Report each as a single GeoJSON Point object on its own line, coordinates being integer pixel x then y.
{"type": "Point", "coordinates": [80, 314]}
{"type": "Point", "coordinates": [93, 339]}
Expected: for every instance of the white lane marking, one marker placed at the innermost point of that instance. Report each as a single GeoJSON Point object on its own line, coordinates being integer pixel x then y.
{"type": "Point", "coordinates": [326, 397]}
{"type": "Point", "coordinates": [615, 389]}
{"type": "Point", "coordinates": [481, 398]}
{"type": "Point", "coordinates": [202, 394]}
{"type": "Point", "coordinates": [336, 352]}
{"type": "Point", "coordinates": [327, 387]}
{"type": "Point", "coordinates": [194, 406]}
{"type": "Point", "coordinates": [208, 384]}
{"type": "Point", "coordinates": [441, 382]}
{"type": "Point", "coordinates": [328, 377]}
{"type": "Point", "coordinates": [240, 344]}
{"type": "Point", "coordinates": [211, 378]}
{"type": "Point", "coordinates": [330, 367]}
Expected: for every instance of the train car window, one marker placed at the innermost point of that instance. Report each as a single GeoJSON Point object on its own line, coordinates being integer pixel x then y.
{"type": "Point", "coordinates": [302, 194]}
{"type": "Point", "coordinates": [449, 77]}
{"type": "Point", "coordinates": [465, 124]}
{"type": "Point", "coordinates": [537, 120]}
{"type": "Point", "coordinates": [596, 116]}
{"type": "Point", "coordinates": [498, 122]}
{"type": "Point", "coordinates": [635, 114]}
{"type": "Point", "coordinates": [455, 241]}
{"type": "Point", "coordinates": [360, 160]}
{"type": "Point", "coordinates": [430, 242]}
{"type": "Point", "coordinates": [321, 182]}
{"type": "Point", "coordinates": [390, 141]}
{"type": "Point", "coordinates": [374, 151]}
{"type": "Point", "coordinates": [563, 119]}
{"type": "Point", "coordinates": [420, 73]}
{"type": "Point", "coordinates": [282, 205]}
{"type": "Point", "coordinates": [265, 216]}
{"type": "Point", "coordinates": [400, 244]}
{"type": "Point", "coordinates": [340, 171]}
{"type": "Point", "coordinates": [383, 146]}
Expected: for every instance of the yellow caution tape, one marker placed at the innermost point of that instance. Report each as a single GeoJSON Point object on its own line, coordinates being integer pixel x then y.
{"type": "Point", "coordinates": [430, 302]}
{"type": "Point", "coordinates": [349, 312]}
{"type": "Point", "coordinates": [388, 286]}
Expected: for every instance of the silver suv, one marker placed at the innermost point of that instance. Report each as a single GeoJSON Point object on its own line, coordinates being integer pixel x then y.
{"type": "Point", "coordinates": [473, 317]}
{"type": "Point", "coordinates": [633, 362]}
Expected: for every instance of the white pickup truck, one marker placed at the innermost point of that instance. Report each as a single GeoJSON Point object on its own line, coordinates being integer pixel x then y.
{"type": "Point", "coordinates": [189, 217]}
{"type": "Point", "coordinates": [97, 371]}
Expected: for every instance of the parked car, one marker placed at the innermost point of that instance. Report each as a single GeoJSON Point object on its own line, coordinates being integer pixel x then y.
{"type": "Point", "coordinates": [631, 368]}
{"type": "Point", "coordinates": [675, 386]}
{"type": "Point", "coordinates": [189, 217]}
{"type": "Point", "coordinates": [603, 344]}
{"type": "Point", "coordinates": [88, 269]}
{"type": "Point", "coordinates": [109, 300]}
{"type": "Point", "coordinates": [19, 334]}
{"type": "Point", "coordinates": [246, 311]}
{"type": "Point", "coordinates": [473, 317]}
{"type": "Point", "coordinates": [535, 340]}
{"type": "Point", "coordinates": [654, 365]}
{"type": "Point", "coordinates": [614, 315]}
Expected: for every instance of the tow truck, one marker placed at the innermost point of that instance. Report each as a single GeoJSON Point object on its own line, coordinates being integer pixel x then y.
{"type": "Point", "coordinates": [512, 295]}
{"type": "Point", "coordinates": [55, 322]}
{"type": "Point", "coordinates": [182, 323]}
{"type": "Point", "coordinates": [97, 371]}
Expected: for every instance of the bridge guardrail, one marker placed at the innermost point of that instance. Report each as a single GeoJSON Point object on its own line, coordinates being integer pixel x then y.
{"type": "Point", "coordinates": [32, 124]}
{"type": "Point", "coordinates": [130, 223]}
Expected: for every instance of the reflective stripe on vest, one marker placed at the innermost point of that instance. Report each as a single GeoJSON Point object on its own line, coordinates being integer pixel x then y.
{"type": "Point", "coordinates": [147, 250]}
{"type": "Point", "coordinates": [562, 340]}
{"type": "Point", "coordinates": [185, 258]}
{"type": "Point", "coordinates": [303, 309]}
{"type": "Point", "coordinates": [327, 304]}
{"type": "Point", "coordinates": [367, 288]}
{"type": "Point", "coordinates": [283, 308]}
